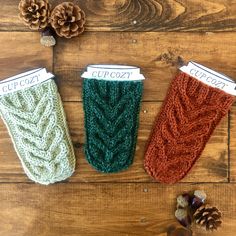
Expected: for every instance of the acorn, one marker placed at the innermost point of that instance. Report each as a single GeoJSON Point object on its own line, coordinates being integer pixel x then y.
{"type": "Point", "coordinates": [180, 231]}
{"type": "Point", "coordinates": [183, 200]}
{"type": "Point", "coordinates": [47, 38]}
{"type": "Point", "coordinates": [198, 199]}
{"type": "Point", "coordinates": [183, 217]}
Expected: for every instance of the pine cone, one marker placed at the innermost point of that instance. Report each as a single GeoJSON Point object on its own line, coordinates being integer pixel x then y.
{"type": "Point", "coordinates": [208, 217]}
{"type": "Point", "coordinates": [35, 13]}
{"type": "Point", "coordinates": [68, 20]}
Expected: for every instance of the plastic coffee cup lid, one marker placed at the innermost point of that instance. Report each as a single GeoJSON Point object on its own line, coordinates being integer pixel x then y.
{"type": "Point", "coordinates": [113, 72]}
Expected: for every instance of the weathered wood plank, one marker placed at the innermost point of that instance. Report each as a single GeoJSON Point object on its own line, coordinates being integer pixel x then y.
{"type": "Point", "coordinates": [157, 54]}
{"type": "Point", "coordinates": [233, 144]}
{"type": "Point", "coordinates": [104, 209]}
{"type": "Point", "coordinates": [21, 51]}
{"type": "Point", "coordinates": [211, 167]}
{"type": "Point", "coordinates": [142, 15]}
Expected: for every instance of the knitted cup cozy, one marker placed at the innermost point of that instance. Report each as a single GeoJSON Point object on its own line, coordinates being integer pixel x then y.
{"type": "Point", "coordinates": [37, 125]}
{"type": "Point", "coordinates": [111, 122]}
{"type": "Point", "coordinates": [188, 116]}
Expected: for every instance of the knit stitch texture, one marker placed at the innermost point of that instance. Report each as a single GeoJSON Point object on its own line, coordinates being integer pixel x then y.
{"type": "Point", "coordinates": [189, 115]}
{"type": "Point", "coordinates": [36, 122]}
{"type": "Point", "coordinates": [111, 122]}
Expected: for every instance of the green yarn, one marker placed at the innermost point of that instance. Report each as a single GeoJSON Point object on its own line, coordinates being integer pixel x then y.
{"type": "Point", "coordinates": [111, 122]}
{"type": "Point", "coordinates": [36, 122]}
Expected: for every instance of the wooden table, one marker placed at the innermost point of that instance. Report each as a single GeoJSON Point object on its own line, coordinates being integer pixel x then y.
{"type": "Point", "coordinates": [157, 36]}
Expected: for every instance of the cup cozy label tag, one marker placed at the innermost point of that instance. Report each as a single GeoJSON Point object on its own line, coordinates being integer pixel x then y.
{"type": "Point", "coordinates": [24, 80]}
{"type": "Point", "coordinates": [113, 72]}
{"type": "Point", "coordinates": [210, 77]}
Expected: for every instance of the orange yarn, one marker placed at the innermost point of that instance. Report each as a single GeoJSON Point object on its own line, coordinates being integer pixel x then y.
{"type": "Point", "coordinates": [189, 115]}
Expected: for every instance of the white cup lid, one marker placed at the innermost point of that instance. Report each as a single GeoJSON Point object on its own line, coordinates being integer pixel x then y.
{"type": "Point", "coordinates": [113, 72]}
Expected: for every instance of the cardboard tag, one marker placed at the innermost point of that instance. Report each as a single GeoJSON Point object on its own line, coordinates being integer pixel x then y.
{"type": "Point", "coordinates": [24, 80]}
{"type": "Point", "coordinates": [113, 72]}
{"type": "Point", "coordinates": [210, 77]}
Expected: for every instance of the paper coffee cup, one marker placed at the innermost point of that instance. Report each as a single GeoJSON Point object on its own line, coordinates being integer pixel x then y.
{"type": "Point", "coordinates": [113, 72]}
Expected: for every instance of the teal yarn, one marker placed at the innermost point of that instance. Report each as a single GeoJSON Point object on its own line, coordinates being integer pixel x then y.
{"type": "Point", "coordinates": [37, 125]}
{"type": "Point", "coordinates": [111, 122]}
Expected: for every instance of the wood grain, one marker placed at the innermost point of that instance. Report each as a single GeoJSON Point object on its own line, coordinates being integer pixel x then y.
{"type": "Point", "coordinates": [233, 144]}
{"type": "Point", "coordinates": [157, 54]}
{"type": "Point", "coordinates": [22, 51]}
{"type": "Point", "coordinates": [142, 15]}
{"type": "Point", "coordinates": [211, 167]}
{"type": "Point", "coordinates": [104, 209]}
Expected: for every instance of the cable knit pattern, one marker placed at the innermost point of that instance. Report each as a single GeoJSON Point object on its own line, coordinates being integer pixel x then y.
{"type": "Point", "coordinates": [185, 123]}
{"type": "Point", "coordinates": [36, 122]}
{"type": "Point", "coordinates": [111, 122]}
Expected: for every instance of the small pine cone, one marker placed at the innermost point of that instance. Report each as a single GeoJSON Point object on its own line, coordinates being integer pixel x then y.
{"type": "Point", "coordinates": [35, 13]}
{"type": "Point", "coordinates": [68, 20]}
{"type": "Point", "coordinates": [208, 217]}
